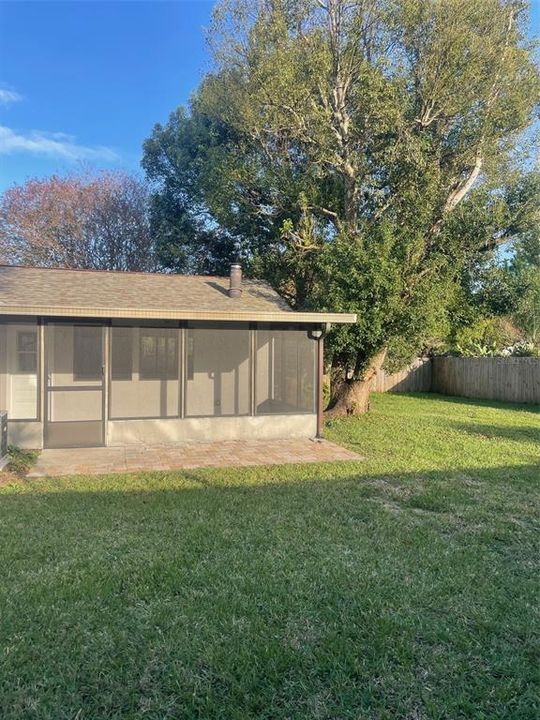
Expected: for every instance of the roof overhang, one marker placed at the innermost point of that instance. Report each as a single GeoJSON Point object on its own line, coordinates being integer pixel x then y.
{"type": "Point", "coordinates": [201, 315]}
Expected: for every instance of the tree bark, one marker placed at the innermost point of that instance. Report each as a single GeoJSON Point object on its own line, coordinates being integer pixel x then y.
{"type": "Point", "coordinates": [351, 397]}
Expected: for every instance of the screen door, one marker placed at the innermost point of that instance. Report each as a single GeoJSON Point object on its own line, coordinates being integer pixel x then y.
{"type": "Point", "coordinates": [75, 374]}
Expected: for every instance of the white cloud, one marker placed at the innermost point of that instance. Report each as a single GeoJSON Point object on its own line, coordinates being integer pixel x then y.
{"type": "Point", "coordinates": [37, 142]}
{"type": "Point", "coordinates": [9, 96]}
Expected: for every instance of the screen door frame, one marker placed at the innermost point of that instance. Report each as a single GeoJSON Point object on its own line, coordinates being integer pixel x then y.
{"type": "Point", "coordinates": [73, 433]}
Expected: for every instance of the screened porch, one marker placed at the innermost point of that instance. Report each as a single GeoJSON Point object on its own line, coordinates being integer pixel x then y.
{"type": "Point", "coordinates": [76, 376]}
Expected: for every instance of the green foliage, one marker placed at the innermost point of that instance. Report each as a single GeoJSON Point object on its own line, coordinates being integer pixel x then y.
{"type": "Point", "coordinates": [373, 275]}
{"type": "Point", "coordinates": [491, 337]}
{"type": "Point", "coordinates": [485, 336]}
{"type": "Point", "coordinates": [506, 285]}
{"type": "Point", "coordinates": [21, 461]}
{"type": "Point", "coordinates": [524, 271]}
{"type": "Point", "coordinates": [338, 145]}
{"type": "Point", "coordinates": [524, 349]}
{"type": "Point", "coordinates": [475, 349]}
{"type": "Point", "coordinates": [177, 159]}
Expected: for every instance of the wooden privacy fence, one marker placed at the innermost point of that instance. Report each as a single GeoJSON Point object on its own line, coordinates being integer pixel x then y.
{"type": "Point", "coordinates": [492, 378]}
{"type": "Point", "coordinates": [514, 379]}
{"type": "Point", "coordinates": [415, 378]}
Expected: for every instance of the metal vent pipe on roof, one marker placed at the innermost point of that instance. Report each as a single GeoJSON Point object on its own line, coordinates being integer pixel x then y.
{"type": "Point", "coordinates": [235, 285]}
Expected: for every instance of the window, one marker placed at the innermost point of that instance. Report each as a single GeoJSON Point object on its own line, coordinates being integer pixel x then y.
{"type": "Point", "coordinates": [158, 355]}
{"type": "Point", "coordinates": [26, 351]}
{"type": "Point", "coordinates": [87, 352]}
{"type": "Point", "coordinates": [285, 372]}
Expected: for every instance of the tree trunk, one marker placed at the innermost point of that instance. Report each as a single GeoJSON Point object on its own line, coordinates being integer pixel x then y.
{"type": "Point", "coordinates": [351, 397]}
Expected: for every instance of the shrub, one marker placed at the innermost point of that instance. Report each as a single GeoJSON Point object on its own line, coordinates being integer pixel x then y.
{"type": "Point", "coordinates": [523, 349]}
{"type": "Point", "coordinates": [20, 461]}
{"type": "Point", "coordinates": [486, 337]}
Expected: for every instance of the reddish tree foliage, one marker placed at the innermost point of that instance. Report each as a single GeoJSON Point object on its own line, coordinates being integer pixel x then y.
{"type": "Point", "coordinates": [98, 221]}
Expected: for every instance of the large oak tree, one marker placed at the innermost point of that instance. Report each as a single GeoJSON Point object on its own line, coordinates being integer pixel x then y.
{"type": "Point", "coordinates": [344, 140]}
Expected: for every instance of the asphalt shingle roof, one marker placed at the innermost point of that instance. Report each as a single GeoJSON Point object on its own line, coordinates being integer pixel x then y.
{"type": "Point", "coordinates": [84, 293]}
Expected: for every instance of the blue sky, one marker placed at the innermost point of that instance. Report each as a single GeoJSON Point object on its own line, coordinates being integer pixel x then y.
{"type": "Point", "coordinates": [85, 81]}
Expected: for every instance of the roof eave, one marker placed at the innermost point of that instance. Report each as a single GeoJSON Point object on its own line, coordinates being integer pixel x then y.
{"type": "Point", "coordinates": [162, 314]}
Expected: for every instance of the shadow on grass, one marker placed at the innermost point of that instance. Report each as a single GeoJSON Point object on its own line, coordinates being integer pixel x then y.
{"type": "Point", "coordinates": [501, 432]}
{"type": "Point", "coordinates": [282, 483]}
{"type": "Point", "coordinates": [496, 404]}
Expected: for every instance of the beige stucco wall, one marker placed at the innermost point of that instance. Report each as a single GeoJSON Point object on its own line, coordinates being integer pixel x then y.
{"type": "Point", "coordinates": [139, 432]}
{"type": "Point", "coordinates": [135, 432]}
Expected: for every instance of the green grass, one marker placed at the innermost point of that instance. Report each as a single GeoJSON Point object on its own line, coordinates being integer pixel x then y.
{"type": "Point", "coordinates": [404, 586]}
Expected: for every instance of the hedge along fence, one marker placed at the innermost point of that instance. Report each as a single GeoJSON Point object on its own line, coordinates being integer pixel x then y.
{"type": "Point", "coordinates": [514, 379]}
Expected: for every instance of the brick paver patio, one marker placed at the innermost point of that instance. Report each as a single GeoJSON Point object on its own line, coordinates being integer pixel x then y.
{"type": "Point", "coordinates": [230, 453]}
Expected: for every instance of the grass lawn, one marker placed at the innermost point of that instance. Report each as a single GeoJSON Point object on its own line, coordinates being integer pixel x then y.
{"type": "Point", "coordinates": [404, 586]}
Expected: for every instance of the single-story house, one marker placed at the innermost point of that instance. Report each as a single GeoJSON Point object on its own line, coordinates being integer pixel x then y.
{"type": "Point", "coordinates": [90, 358]}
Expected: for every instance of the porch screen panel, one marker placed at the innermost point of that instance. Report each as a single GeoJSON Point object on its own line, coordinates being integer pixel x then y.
{"type": "Point", "coordinates": [74, 384]}
{"type": "Point", "coordinates": [74, 355]}
{"type": "Point", "coordinates": [75, 360]}
{"type": "Point", "coordinates": [144, 372]}
{"type": "Point", "coordinates": [217, 371]}
{"type": "Point", "coordinates": [3, 366]}
{"type": "Point", "coordinates": [19, 370]}
{"type": "Point", "coordinates": [285, 372]}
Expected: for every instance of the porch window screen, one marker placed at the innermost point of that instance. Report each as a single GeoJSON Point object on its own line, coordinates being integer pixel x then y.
{"type": "Point", "coordinates": [87, 352]}
{"type": "Point", "coordinates": [26, 351]}
{"type": "Point", "coordinates": [122, 353]}
{"type": "Point", "coordinates": [19, 370]}
{"type": "Point", "coordinates": [285, 372]}
{"type": "Point", "coordinates": [74, 354]}
{"type": "Point", "coordinates": [217, 371]}
{"type": "Point", "coordinates": [144, 373]}
{"type": "Point", "coordinates": [159, 355]}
